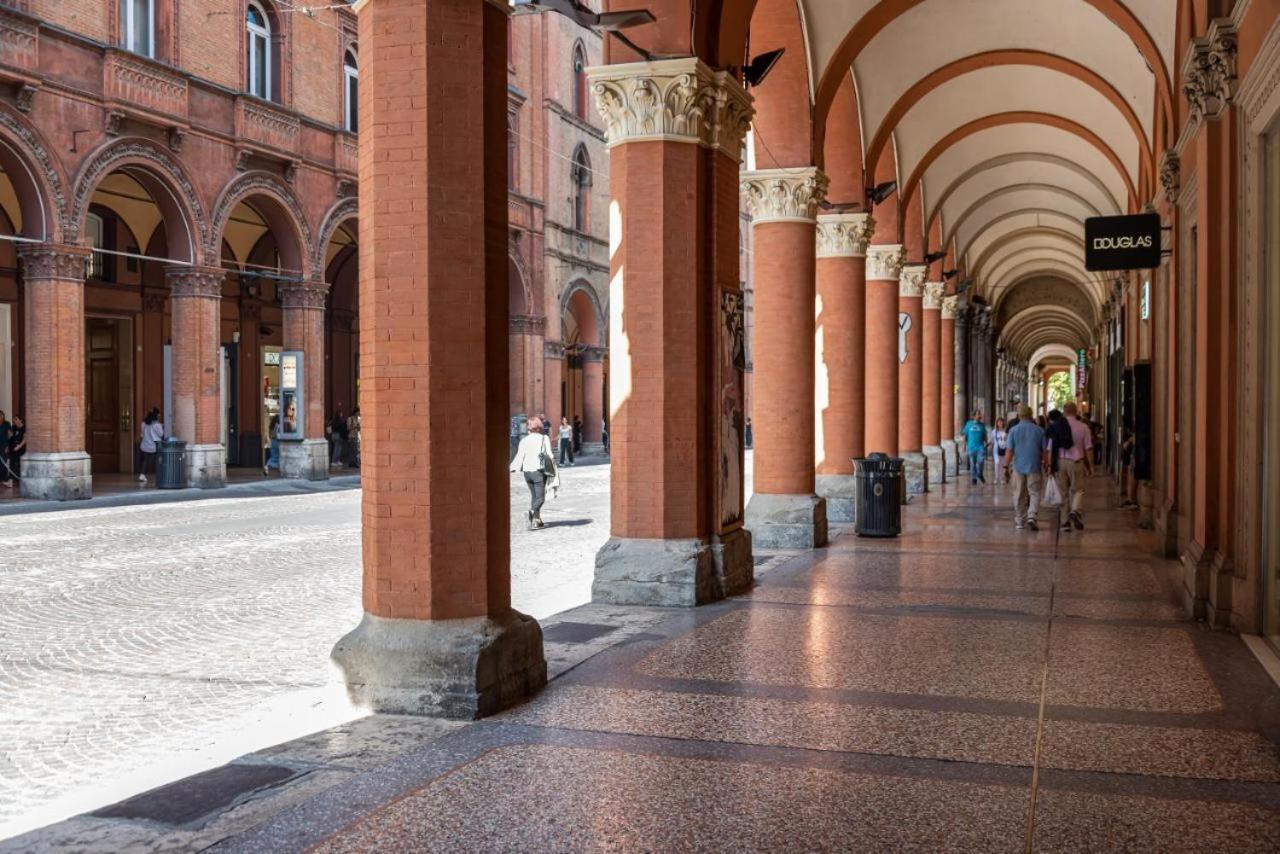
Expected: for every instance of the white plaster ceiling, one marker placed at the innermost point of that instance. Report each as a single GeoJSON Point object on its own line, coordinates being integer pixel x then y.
{"type": "Point", "coordinates": [1018, 221]}
{"type": "Point", "coordinates": [1020, 199]}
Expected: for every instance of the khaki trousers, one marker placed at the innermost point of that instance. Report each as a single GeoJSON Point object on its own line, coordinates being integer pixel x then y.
{"type": "Point", "coordinates": [1071, 483]}
{"type": "Point", "coordinates": [1027, 489]}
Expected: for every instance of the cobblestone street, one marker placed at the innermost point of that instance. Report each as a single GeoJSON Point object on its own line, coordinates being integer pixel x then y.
{"type": "Point", "coordinates": [139, 644]}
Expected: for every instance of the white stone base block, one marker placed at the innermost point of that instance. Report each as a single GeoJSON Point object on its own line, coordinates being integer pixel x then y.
{"type": "Point", "coordinates": [673, 573]}
{"type": "Point", "coordinates": [840, 491]}
{"type": "Point", "coordinates": [916, 468]}
{"type": "Point", "coordinates": [934, 468]}
{"type": "Point", "coordinates": [206, 466]}
{"type": "Point", "coordinates": [787, 521]}
{"type": "Point", "coordinates": [57, 477]}
{"type": "Point", "coordinates": [307, 459]}
{"type": "Point", "coordinates": [950, 459]}
{"type": "Point", "coordinates": [463, 669]}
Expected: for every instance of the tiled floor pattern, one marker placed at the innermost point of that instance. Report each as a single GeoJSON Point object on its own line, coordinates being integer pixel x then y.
{"type": "Point", "coordinates": [965, 687]}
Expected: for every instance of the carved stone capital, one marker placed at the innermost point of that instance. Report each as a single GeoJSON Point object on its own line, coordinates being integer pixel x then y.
{"type": "Point", "coordinates": [526, 324]}
{"type": "Point", "coordinates": [593, 354]}
{"type": "Point", "coordinates": [112, 122]}
{"type": "Point", "coordinates": [1170, 169]}
{"type": "Point", "coordinates": [303, 295]}
{"type": "Point", "coordinates": [553, 350]}
{"type": "Point", "coordinates": [933, 292]}
{"type": "Point", "coordinates": [951, 307]}
{"type": "Point", "coordinates": [911, 280]}
{"type": "Point", "coordinates": [52, 261]}
{"type": "Point", "coordinates": [153, 301]}
{"type": "Point", "coordinates": [844, 235]}
{"type": "Point", "coordinates": [23, 94]}
{"type": "Point", "coordinates": [884, 262]}
{"type": "Point", "coordinates": [203, 282]}
{"type": "Point", "coordinates": [1209, 74]}
{"type": "Point", "coordinates": [784, 195]}
{"type": "Point", "coordinates": [176, 137]}
{"type": "Point", "coordinates": [678, 100]}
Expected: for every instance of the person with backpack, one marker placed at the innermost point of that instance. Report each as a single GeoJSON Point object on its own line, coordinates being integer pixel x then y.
{"type": "Point", "coordinates": [1070, 441]}
{"type": "Point", "coordinates": [975, 436]}
{"type": "Point", "coordinates": [536, 460]}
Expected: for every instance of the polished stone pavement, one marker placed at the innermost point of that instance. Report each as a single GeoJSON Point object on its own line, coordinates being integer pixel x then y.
{"type": "Point", "coordinates": [965, 687]}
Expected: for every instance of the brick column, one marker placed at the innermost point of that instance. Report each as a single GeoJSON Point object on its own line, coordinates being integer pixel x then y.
{"type": "Point", "coordinates": [55, 465]}
{"type": "Point", "coordinates": [840, 346]}
{"type": "Point", "coordinates": [592, 399]}
{"type": "Point", "coordinates": [931, 373]}
{"type": "Point", "coordinates": [911, 376]}
{"type": "Point", "coordinates": [884, 266]}
{"type": "Point", "coordinates": [195, 298]}
{"type": "Point", "coordinates": [784, 512]}
{"type": "Point", "coordinates": [438, 636]}
{"type": "Point", "coordinates": [963, 388]}
{"type": "Point", "coordinates": [303, 302]}
{"type": "Point", "coordinates": [947, 428]}
{"type": "Point", "coordinates": [675, 130]}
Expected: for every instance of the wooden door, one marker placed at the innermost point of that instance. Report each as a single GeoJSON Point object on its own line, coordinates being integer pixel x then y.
{"type": "Point", "coordinates": [102, 431]}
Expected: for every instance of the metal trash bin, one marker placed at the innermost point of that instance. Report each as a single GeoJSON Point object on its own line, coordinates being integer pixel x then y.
{"type": "Point", "coordinates": [171, 464]}
{"type": "Point", "coordinates": [880, 481]}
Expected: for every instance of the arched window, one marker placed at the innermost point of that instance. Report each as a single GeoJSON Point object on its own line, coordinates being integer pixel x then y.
{"type": "Point", "coordinates": [580, 175]}
{"type": "Point", "coordinates": [351, 88]}
{"type": "Point", "coordinates": [579, 83]}
{"type": "Point", "coordinates": [258, 31]}
{"type": "Point", "coordinates": [138, 26]}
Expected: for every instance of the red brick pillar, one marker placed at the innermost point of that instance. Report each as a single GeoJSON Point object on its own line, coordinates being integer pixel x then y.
{"type": "Point", "coordinates": [303, 302]}
{"type": "Point", "coordinates": [911, 376]}
{"type": "Point", "coordinates": [947, 386]}
{"type": "Point", "coordinates": [439, 635]}
{"type": "Point", "coordinates": [592, 399]}
{"type": "Point", "coordinates": [55, 465]}
{"type": "Point", "coordinates": [884, 266]}
{"type": "Point", "coordinates": [675, 130]}
{"type": "Point", "coordinates": [784, 511]}
{"type": "Point", "coordinates": [195, 299]}
{"type": "Point", "coordinates": [840, 346]}
{"type": "Point", "coordinates": [931, 372]}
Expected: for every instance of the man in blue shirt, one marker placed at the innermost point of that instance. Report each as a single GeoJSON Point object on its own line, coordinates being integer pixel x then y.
{"type": "Point", "coordinates": [975, 435]}
{"type": "Point", "coordinates": [1025, 456]}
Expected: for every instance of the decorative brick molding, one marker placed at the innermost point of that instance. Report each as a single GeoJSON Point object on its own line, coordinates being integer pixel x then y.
{"type": "Point", "coordinates": [344, 209]}
{"type": "Point", "coordinates": [911, 280]}
{"type": "Point", "coordinates": [784, 195]}
{"type": "Point", "coordinates": [346, 153]}
{"type": "Point", "coordinates": [33, 150]}
{"type": "Point", "coordinates": [527, 324]}
{"type": "Point", "coordinates": [303, 295]}
{"type": "Point", "coordinates": [844, 235]}
{"type": "Point", "coordinates": [951, 308]}
{"type": "Point", "coordinates": [884, 263]}
{"type": "Point", "coordinates": [267, 126]}
{"type": "Point", "coordinates": [257, 184]}
{"type": "Point", "coordinates": [200, 282]}
{"type": "Point", "coordinates": [139, 85]}
{"type": "Point", "coordinates": [52, 261]}
{"type": "Point", "coordinates": [1170, 177]}
{"type": "Point", "coordinates": [933, 292]}
{"type": "Point", "coordinates": [680, 100]}
{"type": "Point", "coordinates": [553, 350]}
{"type": "Point", "coordinates": [1209, 74]}
{"type": "Point", "coordinates": [19, 41]}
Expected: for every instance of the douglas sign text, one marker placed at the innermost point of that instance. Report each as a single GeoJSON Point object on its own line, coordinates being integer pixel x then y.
{"type": "Point", "coordinates": [1122, 242]}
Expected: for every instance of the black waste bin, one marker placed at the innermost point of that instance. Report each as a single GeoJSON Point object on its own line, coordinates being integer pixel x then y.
{"type": "Point", "coordinates": [880, 482]}
{"type": "Point", "coordinates": [171, 464]}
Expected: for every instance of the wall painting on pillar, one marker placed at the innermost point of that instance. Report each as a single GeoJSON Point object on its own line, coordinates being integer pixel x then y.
{"type": "Point", "coordinates": [731, 404]}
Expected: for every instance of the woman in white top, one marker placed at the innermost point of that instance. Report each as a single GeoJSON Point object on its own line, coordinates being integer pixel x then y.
{"type": "Point", "coordinates": [535, 458]}
{"type": "Point", "coordinates": [152, 434]}
{"type": "Point", "coordinates": [566, 442]}
{"type": "Point", "coordinates": [999, 444]}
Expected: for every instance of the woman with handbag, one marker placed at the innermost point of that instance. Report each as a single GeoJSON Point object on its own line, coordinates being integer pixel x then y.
{"type": "Point", "coordinates": [537, 461]}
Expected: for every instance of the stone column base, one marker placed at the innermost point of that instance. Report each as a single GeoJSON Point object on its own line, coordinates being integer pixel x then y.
{"type": "Point", "coordinates": [57, 477]}
{"type": "Point", "coordinates": [916, 469]}
{"type": "Point", "coordinates": [307, 459]}
{"type": "Point", "coordinates": [841, 495]}
{"type": "Point", "coordinates": [592, 449]}
{"type": "Point", "coordinates": [206, 466]}
{"type": "Point", "coordinates": [933, 464]}
{"type": "Point", "coordinates": [787, 521]}
{"type": "Point", "coordinates": [463, 669]}
{"type": "Point", "coordinates": [632, 571]}
{"type": "Point", "coordinates": [1196, 564]}
{"type": "Point", "coordinates": [1167, 529]}
{"type": "Point", "coordinates": [734, 567]}
{"type": "Point", "coordinates": [950, 460]}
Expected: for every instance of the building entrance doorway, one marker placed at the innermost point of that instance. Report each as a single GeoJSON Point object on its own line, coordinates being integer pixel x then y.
{"type": "Point", "coordinates": [109, 394]}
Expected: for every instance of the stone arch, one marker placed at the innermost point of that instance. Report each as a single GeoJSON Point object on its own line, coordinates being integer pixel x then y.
{"type": "Point", "coordinates": [519, 300]}
{"type": "Point", "coordinates": [580, 300]}
{"type": "Point", "coordinates": [278, 207]}
{"type": "Point", "coordinates": [341, 212]}
{"type": "Point", "coordinates": [167, 182]}
{"type": "Point", "coordinates": [783, 122]}
{"type": "Point", "coordinates": [36, 179]}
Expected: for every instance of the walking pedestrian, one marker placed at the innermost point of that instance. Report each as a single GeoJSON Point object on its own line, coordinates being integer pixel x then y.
{"type": "Point", "coordinates": [5, 429]}
{"type": "Point", "coordinates": [1073, 440]}
{"type": "Point", "coordinates": [152, 434]}
{"type": "Point", "coordinates": [999, 444]}
{"type": "Point", "coordinates": [565, 438]}
{"type": "Point", "coordinates": [353, 438]}
{"type": "Point", "coordinates": [748, 437]}
{"type": "Point", "coordinates": [577, 435]}
{"type": "Point", "coordinates": [273, 450]}
{"type": "Point", "coordinates": [604, 434]}
{"type": "Point", "coordinates": [17, 447]}
{"type": "Point", "coordinates": [537, 462]}
{"type": "Point", "coordinates": [337, 436]}
{"type": "Point", "coordinates": [1024, 459]}
{"type": "Point", "coordinates": [975, 435]}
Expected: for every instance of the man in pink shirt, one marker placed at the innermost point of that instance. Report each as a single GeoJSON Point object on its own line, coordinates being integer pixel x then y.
{"type": "Point", "coordinates": [1074, 465]}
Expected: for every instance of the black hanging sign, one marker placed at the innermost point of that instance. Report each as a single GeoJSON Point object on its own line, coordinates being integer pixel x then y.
{"type": "Point", "coordinates": [1122, 242]}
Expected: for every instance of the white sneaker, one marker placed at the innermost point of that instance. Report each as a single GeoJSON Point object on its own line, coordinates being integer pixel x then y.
{"type": "Point", "coordinates": [142, 478]}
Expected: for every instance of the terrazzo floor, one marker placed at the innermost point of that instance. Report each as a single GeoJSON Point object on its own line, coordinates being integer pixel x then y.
{"type": "Point", "coordinates": [965, 687]}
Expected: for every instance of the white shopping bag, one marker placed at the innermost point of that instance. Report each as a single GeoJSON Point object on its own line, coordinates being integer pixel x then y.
{"type": "Point", "coordinates": [1052, 495]}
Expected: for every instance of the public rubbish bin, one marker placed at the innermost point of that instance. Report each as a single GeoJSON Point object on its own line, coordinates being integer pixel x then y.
{"type": "Point", "coordinates": [171, 464]}
{"type": "Point", "coordinates": [880, 481]}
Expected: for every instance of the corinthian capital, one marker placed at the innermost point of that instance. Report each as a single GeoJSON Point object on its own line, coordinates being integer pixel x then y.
{"type": "Point", "coordinates": [303, 295]}
{"type": "Point", "coordinates": [911, 282]}
{"type": "Point", "coordinates": [1209, 75]}
{"type": "Point", "coordinates": [884, 263]}
{"type": "Point", "coordinates": [52, 261]}
{"type": "Point", "coordinates": [195, 281]}
{"type": "Point", "coordinates": [933, 294]}
{"type": "Point", "coordinates": [950, 307]}
{"type": "Point", "coordinates": [784, 195]}
{"type": "Point", "coordinates": [844, 235]}
{"type": "Point", "coordinates": [679, 100]}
